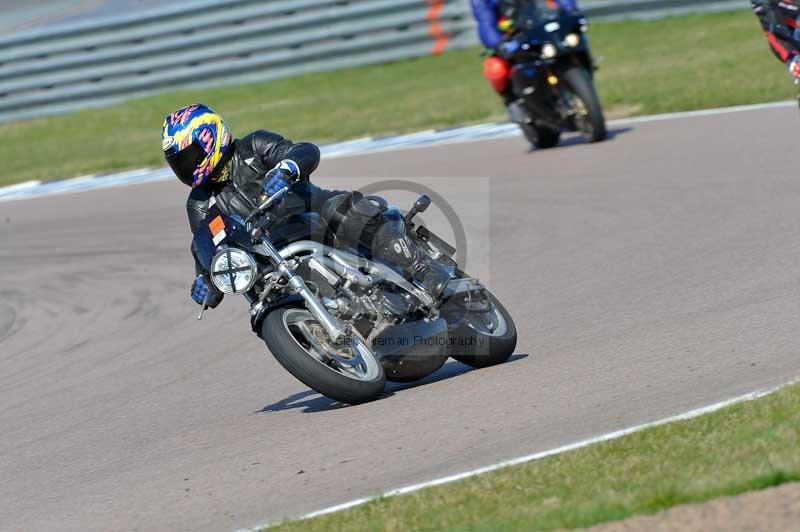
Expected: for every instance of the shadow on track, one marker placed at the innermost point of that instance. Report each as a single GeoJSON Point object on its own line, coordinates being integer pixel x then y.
{"type": "Point", "coordinates": [311, 402]}
{"type": "Point", "coordinates": [577, 140]}
{"type": "Point", "coordinates": [448, 371]}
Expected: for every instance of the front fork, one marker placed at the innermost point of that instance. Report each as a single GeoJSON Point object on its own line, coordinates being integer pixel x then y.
{"type": "Point", "coordinates": [337, 330]}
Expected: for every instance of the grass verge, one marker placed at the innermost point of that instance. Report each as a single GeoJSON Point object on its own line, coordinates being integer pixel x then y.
{"type": "Point", "coordinates": [742, 448]}
{"type": "Point", "coordinates": [675, 64]}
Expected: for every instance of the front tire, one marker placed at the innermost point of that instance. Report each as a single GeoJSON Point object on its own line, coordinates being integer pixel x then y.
{"type": "Point", "coordinates": [541, 137]}
{"type": "Point", "coordinates": [486, 338]}
{"type": "Point", "coordinates": [589, 114]}
{"type": "Point", "coordinates": [348, 372]}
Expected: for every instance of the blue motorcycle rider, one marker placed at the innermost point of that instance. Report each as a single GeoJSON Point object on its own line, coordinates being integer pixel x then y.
{"type": "Point", "coordinates": [496, 29]}
{"type": "Point", "coordinates": [236, 175]}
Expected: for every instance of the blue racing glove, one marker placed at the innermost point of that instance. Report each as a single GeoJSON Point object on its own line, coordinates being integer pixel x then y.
{"type": "Point", "coordinates": [199, 290]}
{"type": "Point", "coordinates": [202, 292]}
{"type": "Point", "coordinates": [507, 49]}
{"type": "Point", "coordinates": [283, 175]}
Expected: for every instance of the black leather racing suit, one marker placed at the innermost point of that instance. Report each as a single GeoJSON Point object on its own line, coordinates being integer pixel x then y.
{"type": "Point", "coordinates": [252, 157]}
{"type": "Point", "coordinates": [353, 219]}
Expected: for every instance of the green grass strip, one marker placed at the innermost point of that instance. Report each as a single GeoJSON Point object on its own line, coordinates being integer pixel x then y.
{"type": "Point", "coordinates": [745, 447]}
{"type": "Point", "coordinates": [675, 64]}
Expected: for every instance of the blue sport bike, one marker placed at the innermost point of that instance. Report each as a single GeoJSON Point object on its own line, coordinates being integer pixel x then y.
{"type": "Point", "coordinates": [552, 75]}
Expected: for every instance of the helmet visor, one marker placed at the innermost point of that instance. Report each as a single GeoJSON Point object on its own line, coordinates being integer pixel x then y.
{"type": "Point", "coordinates": [186, 162]}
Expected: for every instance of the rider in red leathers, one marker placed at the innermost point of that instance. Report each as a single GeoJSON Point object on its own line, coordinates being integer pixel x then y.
{"type": "Point", "coordinates": [780, 22]}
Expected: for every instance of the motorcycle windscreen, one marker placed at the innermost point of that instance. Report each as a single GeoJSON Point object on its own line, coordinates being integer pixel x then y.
{"type": "Point", "coordinates": [543, 24]}
{"type": "Point", "coordinates": [534, 14]}
{"type": "Point", "coordinates": [215, 231]}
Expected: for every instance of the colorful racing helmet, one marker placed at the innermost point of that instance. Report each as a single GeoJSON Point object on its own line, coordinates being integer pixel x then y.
{"type": "Point", "coordinates": [195, 139]}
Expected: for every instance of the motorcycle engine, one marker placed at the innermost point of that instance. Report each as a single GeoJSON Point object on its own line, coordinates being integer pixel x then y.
{"type": "Point", "coordinates": [317, 283]}
{"type": "Point", "coordinates": [392, 303]}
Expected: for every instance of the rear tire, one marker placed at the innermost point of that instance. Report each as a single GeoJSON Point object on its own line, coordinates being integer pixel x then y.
{"type": "Point", "coordinates": [481, 349]}
{"type": "Point", "coordinates": [541, 137]}
{"type": "Point", "coordinates": [283, 336]}
{"type": "Point", "coordinates": [580, 82]}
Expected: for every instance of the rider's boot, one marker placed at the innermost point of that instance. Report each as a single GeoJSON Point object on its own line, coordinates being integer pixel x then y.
{"type": "Point", "coordinates": [416, 265]}
{"type": "Point", "coordinates": [431, 275]}
{"type": "Point", "coordinates": [517, 112]}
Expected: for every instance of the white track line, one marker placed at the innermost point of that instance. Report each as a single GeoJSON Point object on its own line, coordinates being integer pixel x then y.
{"type": "Point", "coordinates": [704, 112]}
{"type": "Point", "coordinates": [536, 456]}
{"type": "Point", "coordinates": [482, 132]}
{"type": "Point", "coordinates": [352, 148]}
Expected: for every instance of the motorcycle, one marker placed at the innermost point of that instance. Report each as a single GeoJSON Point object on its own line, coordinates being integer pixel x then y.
{"type": "Point", "coordinates": [553, 76]}
{"type": "Point", "coordinates": [339, 321]}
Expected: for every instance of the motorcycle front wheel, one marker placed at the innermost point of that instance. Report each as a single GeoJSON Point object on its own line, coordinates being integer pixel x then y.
{"type": "Point", "coordinates": [486, 338]}
{"type": "Point", "coordinates": [346, 371]}
{"type": "Point", "coordinates": [589, 117]}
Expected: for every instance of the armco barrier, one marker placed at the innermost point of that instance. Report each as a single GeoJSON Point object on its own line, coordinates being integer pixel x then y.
{"type": "Point", "coordinates": [205, 43]}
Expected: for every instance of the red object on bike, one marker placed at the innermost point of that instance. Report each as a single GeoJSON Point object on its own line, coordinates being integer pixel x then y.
{"type": "Point", "coordinates": [497, 71]}
{"type": "Point", "coordinates": [794, 67]}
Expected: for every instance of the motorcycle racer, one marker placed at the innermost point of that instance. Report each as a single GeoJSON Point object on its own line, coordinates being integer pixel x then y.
{"type": "Point", "coordinates": [496, 28]}
{"type": "Point", "coordinates": [779, 20]}
{"type": "Point", "coordinates": [237, 175]}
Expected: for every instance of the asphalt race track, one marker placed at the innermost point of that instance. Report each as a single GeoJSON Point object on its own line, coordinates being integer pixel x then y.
{"type": "Point", "coordinates": [654, 273]}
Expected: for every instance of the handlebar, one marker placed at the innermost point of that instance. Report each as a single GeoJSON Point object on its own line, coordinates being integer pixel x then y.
{"type": "Point", "coordinates": [267, 204]}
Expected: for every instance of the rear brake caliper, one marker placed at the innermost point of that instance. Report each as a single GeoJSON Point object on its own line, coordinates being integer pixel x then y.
{"type": "Point", "coordinates": [468, 293]}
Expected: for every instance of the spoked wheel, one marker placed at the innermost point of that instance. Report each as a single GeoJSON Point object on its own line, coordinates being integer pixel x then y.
{"type": "Point", "coordinates": [346, 371]}
{"type": "Point", "coordinates": [484, 338]}
{"type": "Point", "coordinates": [589, 117]}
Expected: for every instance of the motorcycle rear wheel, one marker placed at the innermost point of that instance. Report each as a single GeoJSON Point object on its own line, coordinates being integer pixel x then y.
{"type": "Point", "coordinates": [541, 137]}
{"type": "Point", "coordinates": [348, 372]}
{"type": "Point", "coordinates": [484, 339]}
